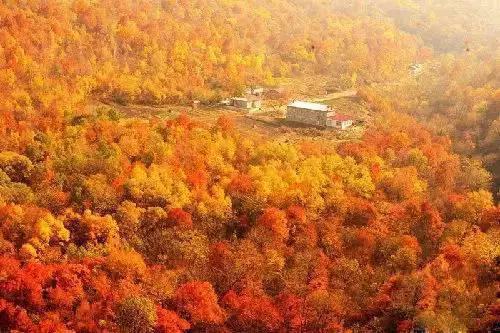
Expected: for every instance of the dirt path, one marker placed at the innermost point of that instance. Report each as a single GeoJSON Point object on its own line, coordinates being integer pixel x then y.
{"type": "Point", "coordinates": [342, 94]}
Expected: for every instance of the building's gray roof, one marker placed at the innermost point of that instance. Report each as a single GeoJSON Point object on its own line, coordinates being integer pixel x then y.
{"type": "Point", "coordinates": [242, 99]}
{"type": "Point", "coordinates": [247, 99]}
{"type": "Point", "coordinates": [310, 106]}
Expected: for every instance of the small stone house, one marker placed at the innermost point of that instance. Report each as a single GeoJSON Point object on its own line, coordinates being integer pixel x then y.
{"type": "Point", "coordinates": [250, 102]}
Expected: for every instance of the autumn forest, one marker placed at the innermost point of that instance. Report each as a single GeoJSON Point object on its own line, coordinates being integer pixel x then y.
{"type": "Point", "coordinates": [112, 222]}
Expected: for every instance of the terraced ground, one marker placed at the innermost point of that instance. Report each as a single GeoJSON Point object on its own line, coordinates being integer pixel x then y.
{"type": "Point", "coordinates": [270, 120]}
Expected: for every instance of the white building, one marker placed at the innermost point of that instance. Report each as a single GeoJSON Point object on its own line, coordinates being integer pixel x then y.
{"type": "Point", "coordinates": [416, 69]}
{"type": "Point", "coordinates": [339, 121]}
{"type": "Point", "coordinates": [255, 91]}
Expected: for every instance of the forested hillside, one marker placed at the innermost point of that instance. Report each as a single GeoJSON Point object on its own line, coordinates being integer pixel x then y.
{"type": "Point", "coordinates": [170, 51]}
{"type": "Point", "coordinates": [446, 25]}
{"type": "Point", "coordinates": [457, 95]}
{"type": "Point", "coordinates": [111, 223]}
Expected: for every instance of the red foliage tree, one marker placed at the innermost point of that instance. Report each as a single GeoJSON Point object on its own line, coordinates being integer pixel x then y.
{"type": "Point", "coordinates": [180, 218]}
{"type": "Point", "coordinates": [251, 313]}
{"type": "Point", "coordinates": [197, 301]}
{"type": "Point", "coordinates": [169, 322]}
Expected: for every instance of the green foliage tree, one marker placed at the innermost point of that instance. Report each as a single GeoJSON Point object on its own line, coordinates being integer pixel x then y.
{"type": "Point", "coordinates": [136, 314]}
